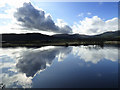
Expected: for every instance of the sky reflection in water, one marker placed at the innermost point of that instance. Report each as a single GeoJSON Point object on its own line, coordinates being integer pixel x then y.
{"type": "Point", "coordinates": [55, 67]}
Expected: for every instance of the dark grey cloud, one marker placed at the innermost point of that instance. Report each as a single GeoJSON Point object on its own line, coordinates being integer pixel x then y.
{"type": "Point", "coordinates": [35, 60]}
{"type": "Point", "coordinates": [32, 18]}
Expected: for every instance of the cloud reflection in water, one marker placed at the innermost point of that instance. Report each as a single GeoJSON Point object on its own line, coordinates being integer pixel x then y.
{"type": "Point", "coordinates": [95, 54]}
{"type": "Point", "coordinates": [20, 65]}
{"type": "Point", "coordinates": [36, 60]}
{"type": "Point", "coordinates": [27, 62]}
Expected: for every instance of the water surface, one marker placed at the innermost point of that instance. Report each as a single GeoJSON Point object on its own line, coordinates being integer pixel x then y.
{"type": "Point", "coordinates": [59, 67]}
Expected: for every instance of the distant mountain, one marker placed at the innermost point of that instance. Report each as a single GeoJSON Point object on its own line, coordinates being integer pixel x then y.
{"type": "Point", "coordinates": [25, 37]}
{"type": "Point", "coordinates": [37, 39]}
{"type": "Point", "coordinates": [70, 36]}
{"type": "Point", "coordinates": [114, 35]}
{"type": "Point", "coordinates": [110, 34]}
{"type": "Point", "coordinates": [106, 35]}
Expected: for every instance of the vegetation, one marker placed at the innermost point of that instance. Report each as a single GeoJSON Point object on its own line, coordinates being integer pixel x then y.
{"type": "Point", "coordinates": [38, 40]}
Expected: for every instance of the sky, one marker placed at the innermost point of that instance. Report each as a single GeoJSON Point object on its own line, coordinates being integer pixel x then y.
{"type": "Point", "coordinates": [27, 16]}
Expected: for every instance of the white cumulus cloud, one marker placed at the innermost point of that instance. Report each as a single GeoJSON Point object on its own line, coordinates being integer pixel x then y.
{"type": "Point", "coordinates": [95, 25]}
{"type": "Point", "coordinates": [32, 18]}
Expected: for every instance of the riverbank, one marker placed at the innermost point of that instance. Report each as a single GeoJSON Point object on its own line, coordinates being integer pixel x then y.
{"type": "Point", "coordinates": [73, 43]}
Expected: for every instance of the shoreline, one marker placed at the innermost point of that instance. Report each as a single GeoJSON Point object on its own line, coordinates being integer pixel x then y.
{"type": "Point", "coordinates": [117, 43]}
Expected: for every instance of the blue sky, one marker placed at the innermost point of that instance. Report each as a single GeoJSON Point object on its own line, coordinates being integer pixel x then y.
{"type": "Point", "coordinates": [69, 11]}
{"type": "Point", "coordinates": [80, 17]}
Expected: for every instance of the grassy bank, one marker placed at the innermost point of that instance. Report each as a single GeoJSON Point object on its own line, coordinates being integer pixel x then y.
{"type": "Point", "coordinates": [72, 43]}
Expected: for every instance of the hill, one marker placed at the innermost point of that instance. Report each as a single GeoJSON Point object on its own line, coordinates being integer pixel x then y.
{"type": "Point", "coordinates": [37, 39]}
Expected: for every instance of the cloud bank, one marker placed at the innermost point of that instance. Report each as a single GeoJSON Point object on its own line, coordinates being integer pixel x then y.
{"type": "Point", "coordinates": [95, 25]}
{"type": "Point", "coordinates": [32, 18]}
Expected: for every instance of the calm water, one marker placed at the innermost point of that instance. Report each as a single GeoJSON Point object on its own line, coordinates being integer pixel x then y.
{"type": "Point", "coordinates": [59, 67]}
